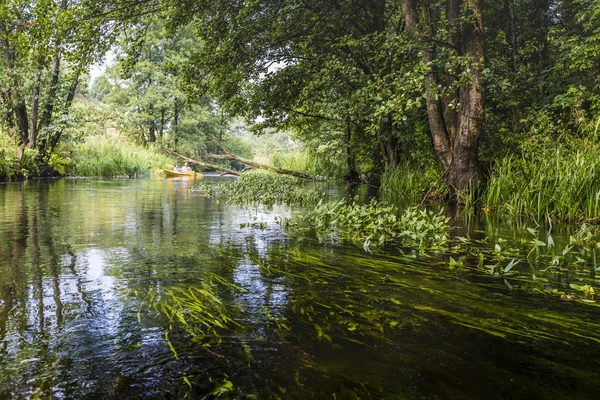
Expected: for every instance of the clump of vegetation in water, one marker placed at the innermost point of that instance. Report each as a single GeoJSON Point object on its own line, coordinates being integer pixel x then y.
{"type": "Point", "coordinates": [260, 188]}
{"type": "Point", "coordinates": [377, 224]}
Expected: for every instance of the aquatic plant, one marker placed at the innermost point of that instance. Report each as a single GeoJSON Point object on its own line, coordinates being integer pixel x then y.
{"type": "Point", "coordinates": [376, 224]}
{"type": "Point", "coordinates": [549, 180]}
{"type": "Point", "coordinates": [257, 187]}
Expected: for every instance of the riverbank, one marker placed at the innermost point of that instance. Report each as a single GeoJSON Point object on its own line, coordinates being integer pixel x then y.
{"type": "Point", "coordinates": [103, 156]}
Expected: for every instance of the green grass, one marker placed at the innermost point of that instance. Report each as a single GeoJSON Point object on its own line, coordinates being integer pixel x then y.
{"type": "Point", "coordinates": [410, 183]}
{"type": "Point", "coordinates": [557, 181]}
{"type": "Point", "coordinates": [304, 161]}
{"type": "Point", "coordinates": [109, 157]}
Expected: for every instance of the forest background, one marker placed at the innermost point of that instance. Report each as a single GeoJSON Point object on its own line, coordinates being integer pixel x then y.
{"type": "Point", "coordinates": [491, 103]}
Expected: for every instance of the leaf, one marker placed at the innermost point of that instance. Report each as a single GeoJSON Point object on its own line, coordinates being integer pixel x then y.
{"type": "Point", "coordinates": [510, 265]}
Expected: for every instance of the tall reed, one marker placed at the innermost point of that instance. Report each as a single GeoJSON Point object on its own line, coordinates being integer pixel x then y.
{"type": "Point", "coordinates": [549, 180]}
{"type": "Point", "coordinates": [408, 182]}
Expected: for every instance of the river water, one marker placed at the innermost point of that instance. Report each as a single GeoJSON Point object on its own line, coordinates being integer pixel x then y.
{"type": "Point", "coordinates": [141, 289]}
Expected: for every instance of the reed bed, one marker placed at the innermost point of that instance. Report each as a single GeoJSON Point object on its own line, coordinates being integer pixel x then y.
{"type": "Point", "coordinates": [409, 183]}
{"type": "Point", "coordinates": [548, 182]}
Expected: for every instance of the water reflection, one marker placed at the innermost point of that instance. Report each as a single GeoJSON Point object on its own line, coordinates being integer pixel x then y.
{"type": "Point", "coordinates": [138, 288]}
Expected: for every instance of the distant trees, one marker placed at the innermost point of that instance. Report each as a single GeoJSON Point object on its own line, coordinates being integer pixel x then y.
{"type": "Point", "coordinates": [147, 84]}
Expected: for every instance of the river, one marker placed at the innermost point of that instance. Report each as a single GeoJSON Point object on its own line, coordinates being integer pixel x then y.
{"type": "Point", "coordinates": [140, 289]}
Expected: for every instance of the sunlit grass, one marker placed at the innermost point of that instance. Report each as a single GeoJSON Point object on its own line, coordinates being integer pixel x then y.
{"type": "Point", "coordinates": [109, 157]}
{"type": "Point", "coordinates": [316, 164]}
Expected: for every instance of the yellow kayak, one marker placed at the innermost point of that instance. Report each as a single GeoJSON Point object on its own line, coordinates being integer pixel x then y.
{"type": "Point", "coordinates": [190, 174]}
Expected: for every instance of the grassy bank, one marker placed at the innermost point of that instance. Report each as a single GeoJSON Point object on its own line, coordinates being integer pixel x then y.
{"type": "Point", "coordinates": [109, 156]}
{"type": "Point", "coordinates": [101, 155]}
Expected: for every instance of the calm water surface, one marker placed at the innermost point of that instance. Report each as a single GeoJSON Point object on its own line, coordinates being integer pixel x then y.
{"type": "Point", "coordinates": [140, 289]}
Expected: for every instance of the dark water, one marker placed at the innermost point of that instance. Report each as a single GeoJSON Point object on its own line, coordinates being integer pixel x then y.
{"type": "Point", "coordinates": [140, 289]}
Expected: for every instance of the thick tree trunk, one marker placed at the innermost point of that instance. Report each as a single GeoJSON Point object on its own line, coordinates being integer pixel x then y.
{"type": "Point", "coordinates": [465, 164]}
{"type": "Point", "coordinates": [455, 135]}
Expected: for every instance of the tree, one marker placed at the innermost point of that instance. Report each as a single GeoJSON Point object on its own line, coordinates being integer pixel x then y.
{"type": "Point", "coordinates": [46, 46]}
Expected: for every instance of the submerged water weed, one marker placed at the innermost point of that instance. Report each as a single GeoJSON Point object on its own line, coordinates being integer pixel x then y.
{"type": "Point", "coordinates": [198, 309]}
{"type": "Point", "coordinates": [376, 224]}
{"type": "Point", "coordinates": [586, 235]}
{"type": "Point", "coordinates": [536, 263]}
{"type": "Point", "coordinates": [260, 188]}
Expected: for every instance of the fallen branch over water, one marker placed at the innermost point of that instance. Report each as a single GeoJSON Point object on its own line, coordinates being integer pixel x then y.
{"type": "Point", "coordinates": [202, 163]}
{"type": "Point", "coordinates": [232, 157]}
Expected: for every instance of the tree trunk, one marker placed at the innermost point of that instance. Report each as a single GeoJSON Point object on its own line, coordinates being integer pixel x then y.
{"type": "Point", "coordinates": [16, 99]}
{"type": "Point", "coordinates": [511, 35]}
{"type": "Point", "coordinates": [352, 176]}
{"type": "Point", "coordinates": [455, 135]}
{"type": "Point", "coordinates": [51, 97]}
{"type": "Point", "coordinates": [465, 164]}
{"type": "Point", "coordinates": [176, 122]}
{"type": "Point", "coordinates": [33, 122]}
{"type": "Point", "coordinates": [202, 163]}
{"type": "Point", "coordinates": [233, 157]}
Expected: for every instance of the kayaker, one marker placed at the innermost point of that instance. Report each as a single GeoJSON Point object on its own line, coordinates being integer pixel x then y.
{"type": "Point", "coordinates": [177, 168]}
{"type": "Point", "coordinates": [186, 168]}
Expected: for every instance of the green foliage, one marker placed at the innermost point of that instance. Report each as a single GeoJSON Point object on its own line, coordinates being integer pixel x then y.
{"type": "Point", "coordinates": [548, 181]}
{"type": "Point", "coordinates": [260, 188]}
{"type": "Point", "coordinates": [111, 156]}
{"type": "Point", "coordinates": [376, 224]}
{"type": "Point", "coordinates": [10, 166]}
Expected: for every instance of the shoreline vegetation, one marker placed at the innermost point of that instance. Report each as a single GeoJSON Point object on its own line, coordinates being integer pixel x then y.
{"type": "Point", "coordinates": [547, 181]}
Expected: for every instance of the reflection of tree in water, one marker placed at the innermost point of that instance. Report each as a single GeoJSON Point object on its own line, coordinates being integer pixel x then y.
{"type": "Point", "coordinates": [142, 292]}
